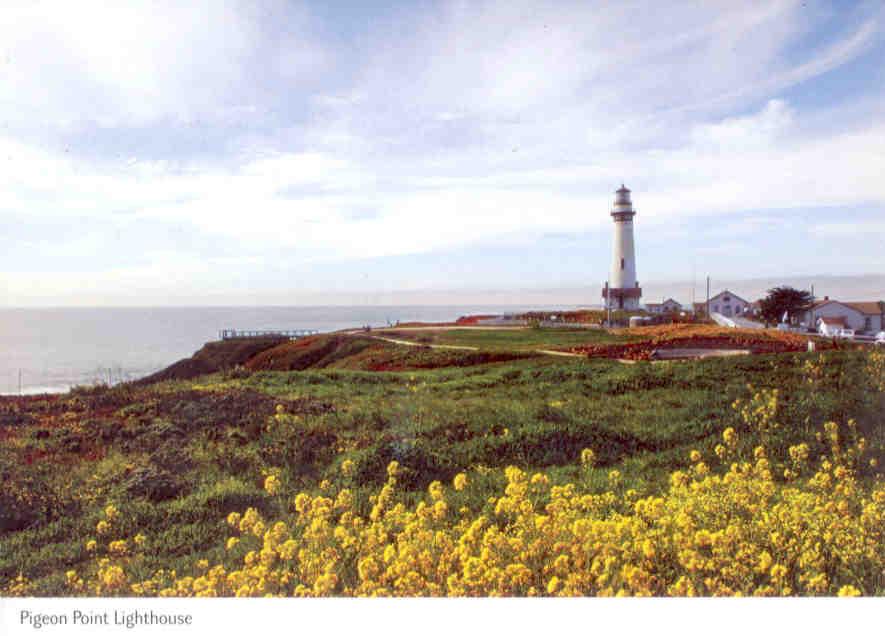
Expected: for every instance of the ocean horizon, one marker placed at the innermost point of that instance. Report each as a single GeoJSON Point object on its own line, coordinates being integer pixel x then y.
{"type": "Point", "coordinates": [52, 349]}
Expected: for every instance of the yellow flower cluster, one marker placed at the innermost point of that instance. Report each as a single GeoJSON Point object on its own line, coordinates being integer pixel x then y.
{"type": "Point", "coordinates": [761, 411]}
{"type": "Point", "coordinates": [111, 514]}
{"type": "Point", "coordinates": [272, 485]}
{"type": "Point", "coordinates": [74, 581]}
{"type": "Point", "coordinates": [18, 586]}
{"type": "Point", "coordinates": [733, 531]}
{"type": "Point", "coordinates": [118, 547]}
{"type": "Point", "coordinates": [111, 579]}
{"type": "Point", "coordinates": [875, 370]}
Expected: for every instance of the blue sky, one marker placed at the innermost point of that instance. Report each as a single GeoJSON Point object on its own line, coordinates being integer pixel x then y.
{"type": "Point", "coordinates": [182, 153]}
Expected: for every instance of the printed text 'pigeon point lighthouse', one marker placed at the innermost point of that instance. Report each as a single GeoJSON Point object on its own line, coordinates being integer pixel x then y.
{"type": "Point", "coordinates": [623, 289]}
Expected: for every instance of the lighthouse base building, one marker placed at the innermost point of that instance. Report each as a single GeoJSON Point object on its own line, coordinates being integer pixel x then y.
{"type": "Point", "coordinates": [622, 291]}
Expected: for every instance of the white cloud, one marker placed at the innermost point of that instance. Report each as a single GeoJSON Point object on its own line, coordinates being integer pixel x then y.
{"type": "Point", "coordinates": [469, 123]}
{"type": "Point", "coordinates": [69, 64]}
{"type": "Point", "coordinates": [832, 57]}
{"type": "Point", "coordinates": [871, 228]}
{"type": "Point", "coordinates": [757, 131]}
{"type": "Point", "coordinates": [307, 201]}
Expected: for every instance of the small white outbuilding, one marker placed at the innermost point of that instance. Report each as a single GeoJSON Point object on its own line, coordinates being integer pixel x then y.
{"type": "Point", "coordinates": [669, 306]}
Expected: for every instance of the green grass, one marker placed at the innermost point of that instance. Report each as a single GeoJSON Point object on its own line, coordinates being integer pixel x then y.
{"type": "Point", "coordinates": [177, 457]}
{"type": "Point", "coordinates": [511, 339]}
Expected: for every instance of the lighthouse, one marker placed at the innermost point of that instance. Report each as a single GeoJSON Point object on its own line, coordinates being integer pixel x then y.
{"type": "Point", "coordinates": [623, 291]}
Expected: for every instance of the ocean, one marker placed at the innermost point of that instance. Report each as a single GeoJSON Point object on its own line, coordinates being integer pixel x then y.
{"type": "Point", "coordinates": [51, 350]}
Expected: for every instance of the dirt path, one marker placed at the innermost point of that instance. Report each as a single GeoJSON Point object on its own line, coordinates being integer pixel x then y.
{"type": "Point", "coordinates": [437, 328]}
{"type": "Point", "coordinates": [410, 343]}
{"type": "Point", "coordinates": [455, 328]}
{"type": "Point", "coordinates": [665, 355]}
{"type": "Point", "coordinates": [566, 354]}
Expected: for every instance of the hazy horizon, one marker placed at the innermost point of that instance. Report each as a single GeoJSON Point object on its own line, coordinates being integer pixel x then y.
{"type": "Point", "coordinates": [294, 151]}
{"type": "Point", "coordinates": [848, 288]}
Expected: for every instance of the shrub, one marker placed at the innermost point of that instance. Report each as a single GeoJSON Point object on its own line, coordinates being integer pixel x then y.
{"type": "Point", "coordinates": [153, 483]}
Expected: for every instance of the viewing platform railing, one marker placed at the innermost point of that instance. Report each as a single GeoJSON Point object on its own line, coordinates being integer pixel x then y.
{"type": "Point", "coordinates": [228, 334]}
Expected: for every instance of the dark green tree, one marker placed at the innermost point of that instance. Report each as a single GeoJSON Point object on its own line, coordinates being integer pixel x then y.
{"type": "Point", "coordinates": [784, 299]}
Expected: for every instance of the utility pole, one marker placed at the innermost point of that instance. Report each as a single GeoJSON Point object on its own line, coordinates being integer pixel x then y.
{"type": "Point", "coordinates": [811, 309]}
{"type": "Point", "coordinates": [691, 294]}
{"type": "Point", "coordinates": [19, 382]}
{"type": "Point", "coordinates": [708, 298]}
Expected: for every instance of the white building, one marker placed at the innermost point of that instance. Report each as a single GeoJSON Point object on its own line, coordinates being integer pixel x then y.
{"type": "Point", "coordinates": [728, 304]}
{"type": "Point", "coordinates": [864, 317]}
{"type": "Point", "coordinates": [669, 306]}
{"type": "Point", "coordinates": [623, 289]}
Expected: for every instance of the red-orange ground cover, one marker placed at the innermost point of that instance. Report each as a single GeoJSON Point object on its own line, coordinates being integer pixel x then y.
{"type": "Point", "coordinates": [473, 320]}
{"type": "Point", "coordinates": [687, 336]}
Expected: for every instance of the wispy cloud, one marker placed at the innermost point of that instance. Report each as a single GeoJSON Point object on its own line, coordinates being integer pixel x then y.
{"type": "Point", "coordinates": [871, 229]}
{"type": "Point", "coordinates": [300, 132]}
{"type": "Point", "coordinates": [97, 64]}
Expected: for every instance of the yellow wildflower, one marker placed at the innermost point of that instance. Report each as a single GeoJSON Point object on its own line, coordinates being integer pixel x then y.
{"type": "Point", "coordinates": [272, 485]}
{"type": "Point", "coordinates": [553, 585]}
{"type": "Point", "coordinates": [729, 436]}
{"type": "Point", "coordinates": [117, 547]}
{"type": "Point", "coordinates": [302, 501]}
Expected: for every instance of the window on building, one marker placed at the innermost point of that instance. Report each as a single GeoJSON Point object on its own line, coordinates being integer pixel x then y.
{"type": "Point", "coordinates": [867, 323]}
{"type": "Point", "coordinates": [622, 263]}
{"type": "Point", "coordinates": [727, 299]}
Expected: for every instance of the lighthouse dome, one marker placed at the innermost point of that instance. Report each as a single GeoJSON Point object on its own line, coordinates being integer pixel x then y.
{"type": "Point", "coordinates": [623, 204]}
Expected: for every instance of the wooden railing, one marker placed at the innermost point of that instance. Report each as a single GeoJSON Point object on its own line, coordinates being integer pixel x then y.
{"type": "Point", "coordinates": [228, 334]}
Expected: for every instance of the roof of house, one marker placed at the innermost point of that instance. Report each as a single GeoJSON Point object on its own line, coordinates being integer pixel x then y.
{"type": "Point", "coordinates": [730, 293]}
{"type": "Point", "coordinates": [867, 307]}
{"type": "Point", "coordinates": [668, 301]}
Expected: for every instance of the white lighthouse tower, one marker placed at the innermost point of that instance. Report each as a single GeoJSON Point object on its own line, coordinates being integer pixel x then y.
{"type": "Point", "coordinates": [623, 290]}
